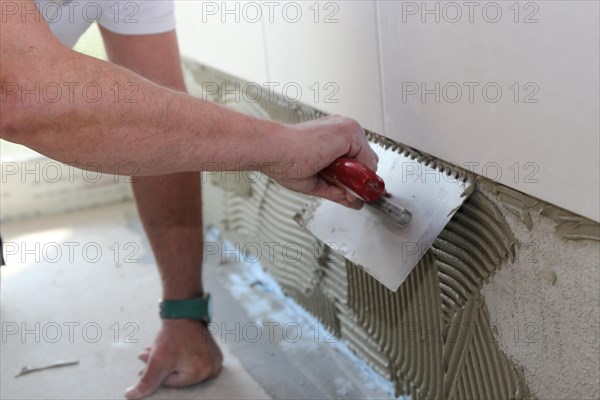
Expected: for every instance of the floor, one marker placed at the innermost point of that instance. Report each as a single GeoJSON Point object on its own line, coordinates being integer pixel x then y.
{"type": "Point", "coordinates": [83, 287]}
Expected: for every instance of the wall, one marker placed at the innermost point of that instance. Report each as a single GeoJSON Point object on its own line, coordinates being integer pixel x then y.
{"type": "Point", "coordinates": [33, 185]}
{"type": "Point", "coordinates": [504, 305]}
{"type": "Point", "coordinates": [428, 75]}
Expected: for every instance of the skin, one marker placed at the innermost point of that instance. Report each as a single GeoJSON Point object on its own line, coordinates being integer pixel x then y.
{"type": "Point", "coordinates": [184, 353]}
{"type": "Point", "coordinates": [169, 137]}
{"type": "Point", "coordinates": [163, 131]}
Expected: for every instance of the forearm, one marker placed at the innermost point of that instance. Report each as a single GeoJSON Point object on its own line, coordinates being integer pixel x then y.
{"type": "Point", "coordinates": [162, 131]}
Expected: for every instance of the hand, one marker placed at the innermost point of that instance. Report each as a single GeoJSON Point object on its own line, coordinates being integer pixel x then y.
{"type": "Point", "coordinates": [184, 354]}
{"type": "Point", "coordinates": [316, 144]}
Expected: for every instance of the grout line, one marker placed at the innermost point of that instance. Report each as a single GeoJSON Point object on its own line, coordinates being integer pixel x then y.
{"type": "Point", "coordinates": [380, 65]}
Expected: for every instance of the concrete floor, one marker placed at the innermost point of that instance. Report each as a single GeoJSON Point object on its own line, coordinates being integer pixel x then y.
{"type": "Point", "coordinates": [83, 286]}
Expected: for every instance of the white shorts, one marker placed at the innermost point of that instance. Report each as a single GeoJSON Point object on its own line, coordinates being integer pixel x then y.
{"type": "Point", "coordinates": [69, 19]}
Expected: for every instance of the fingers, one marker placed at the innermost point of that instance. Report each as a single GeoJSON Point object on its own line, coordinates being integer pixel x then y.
{"type": "Point", "coordinates": [191, 376]}
{"type": "Point", "coordinates": [182, 379]}
{"type": "Point", "coordinates": [152, 378]}
{"type": "Point", "coordinates": [345, 136]}
{"type": "Point", "coordinates": [178, 379]}
{"type": "Point", "coordinates": [145, 355]}
{"type": "Point", "coordinates": [367, 156]}
{"type": "Point", "coordinates": [374, 160]}
{"type": "Point", "coordinates": [353, 201]}
{"type": "Point", "coordinates": [360, 149]}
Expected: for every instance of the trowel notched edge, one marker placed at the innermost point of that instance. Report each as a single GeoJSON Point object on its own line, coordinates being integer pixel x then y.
{"type": "Point", "coordinates": [385, 249]}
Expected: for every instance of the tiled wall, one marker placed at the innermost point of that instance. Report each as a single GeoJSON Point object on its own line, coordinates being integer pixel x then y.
{"type": "Point", "coordinates": [398, 67]}
{"type": "Point", "coordinates": [503, 306]}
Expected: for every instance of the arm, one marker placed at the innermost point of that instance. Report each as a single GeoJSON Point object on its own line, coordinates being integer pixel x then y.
{"type": "Point", "coordinates": [163, 132]}
{"type": "Point", "coordinates": [170, 209]}
{"type": "Point", "coordinates": [170, 206]}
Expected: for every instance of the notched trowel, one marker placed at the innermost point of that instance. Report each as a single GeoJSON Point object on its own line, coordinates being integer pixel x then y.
{"type": "Point", "coordinates": [402, 218]}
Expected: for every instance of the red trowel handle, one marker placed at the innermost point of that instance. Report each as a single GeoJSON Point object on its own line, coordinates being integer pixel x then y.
{"type": "Point", "coordinates": [356, 177]}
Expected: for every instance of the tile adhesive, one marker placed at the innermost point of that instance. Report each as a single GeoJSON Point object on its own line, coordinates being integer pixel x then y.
{"type": "Point", "coordinates": [433, 337]}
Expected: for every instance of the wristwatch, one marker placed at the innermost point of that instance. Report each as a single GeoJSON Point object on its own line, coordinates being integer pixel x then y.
{"type": "Point", "coordinates": [198, 308]}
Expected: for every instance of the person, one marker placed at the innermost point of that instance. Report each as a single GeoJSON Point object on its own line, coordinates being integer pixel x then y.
{"type": "Point", "coordinates": [77, 109]}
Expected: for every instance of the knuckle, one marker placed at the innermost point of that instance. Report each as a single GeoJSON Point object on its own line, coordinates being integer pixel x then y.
{"type": "Point", "coordinates": [354, 125]}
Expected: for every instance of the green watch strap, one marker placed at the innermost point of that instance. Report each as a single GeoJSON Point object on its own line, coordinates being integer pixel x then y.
{"type": "Point", "coordinates": [197, 308]}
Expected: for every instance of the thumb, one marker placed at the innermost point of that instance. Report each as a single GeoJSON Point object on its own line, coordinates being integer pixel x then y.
{"type": "Point", "coordinates": [335, 193]}
{"type": "Point", "coordinates": [155, 374]}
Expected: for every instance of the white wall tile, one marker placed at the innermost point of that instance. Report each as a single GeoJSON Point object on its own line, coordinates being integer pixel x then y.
{"type": "Point", "coordinates": [230, 42]}
{"type": "Point", "coordinates": [334, 48]}
{"type": "Point", "coordinates": [549, 148]}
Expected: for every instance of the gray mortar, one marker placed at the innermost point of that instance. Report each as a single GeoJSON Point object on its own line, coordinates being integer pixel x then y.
{"type": "Point", "coordinates": [545, 307]}
{"type": "Point", "coordinates": [447, 332]}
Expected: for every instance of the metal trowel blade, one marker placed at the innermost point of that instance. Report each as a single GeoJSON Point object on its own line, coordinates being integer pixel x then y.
{"type": "Point", "coordinates": [386, 250]}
